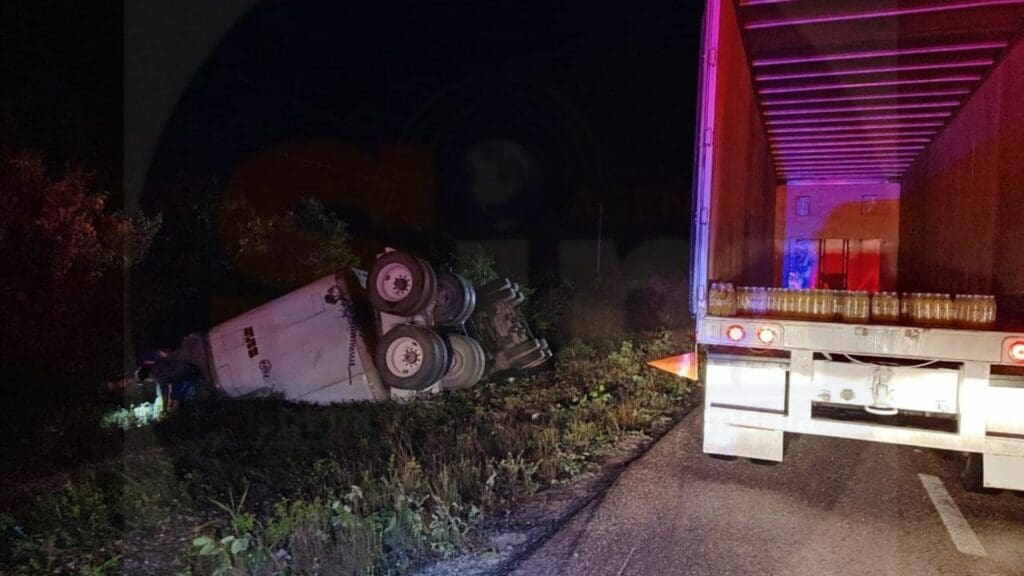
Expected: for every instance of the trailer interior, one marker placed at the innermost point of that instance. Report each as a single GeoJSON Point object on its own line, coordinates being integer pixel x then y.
{"type": "Point", "coordinates": [873, 145]}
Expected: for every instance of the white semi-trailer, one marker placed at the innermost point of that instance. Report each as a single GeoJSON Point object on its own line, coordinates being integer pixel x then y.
{"type": "Point", "coordinates": [858, 264]}
{"type": "Point", "coordinates": [398, 331]}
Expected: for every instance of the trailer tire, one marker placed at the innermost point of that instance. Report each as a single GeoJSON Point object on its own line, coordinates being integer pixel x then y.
{"type": "Point", "coordinates": [455, 300]}
{"type": "Point", "coordinates": [973, 475]}
{"type": "Point", "coordinates": [397, 284]}
{"type": "Point", "coordinates": [410, 358]}
{"type": "Point", "coordinates": [467, 363]}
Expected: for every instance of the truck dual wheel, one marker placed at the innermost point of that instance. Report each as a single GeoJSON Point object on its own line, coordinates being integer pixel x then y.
{"type": "Point", "coordinates": [411, 358]}
{"type": "Point", "coordinates": [455, 300]}
{"type": "Point", "coordinates": [467, 363]}
{"type": "Point", "coordinates": [401, 284]}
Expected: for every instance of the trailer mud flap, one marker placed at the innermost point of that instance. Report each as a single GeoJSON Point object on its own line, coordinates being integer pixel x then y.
{"type": "Point", "coordinates": [720, 437]}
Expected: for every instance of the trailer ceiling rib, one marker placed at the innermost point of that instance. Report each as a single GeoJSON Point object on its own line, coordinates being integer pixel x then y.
{"type": "Point", "coordinates": [858, 88]}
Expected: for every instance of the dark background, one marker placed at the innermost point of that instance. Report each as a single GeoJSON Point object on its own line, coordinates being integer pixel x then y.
{"type": "Point", "coordinates": [536, 121]}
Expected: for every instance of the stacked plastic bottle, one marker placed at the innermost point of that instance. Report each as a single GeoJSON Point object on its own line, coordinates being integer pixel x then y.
{"type": "Point", "coordinates": [918, 308]}
{"type": "Point", "coordinates": [885, 307]}
{"type": "Point", "coordinates": [722, 299]}
{"type": "Point", "coordinates": [856, 306]}
{"type": "Point", "coordinates": [974, 311]}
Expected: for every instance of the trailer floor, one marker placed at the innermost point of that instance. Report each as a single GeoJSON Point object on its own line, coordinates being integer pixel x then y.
{"type": "Point", "coordinates": [833, 507]}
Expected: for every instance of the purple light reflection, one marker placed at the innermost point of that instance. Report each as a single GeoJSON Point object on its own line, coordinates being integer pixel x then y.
{"type": "Point", "coordinates": [797, 130]}
{"type": "Point", "coordinates": [859, 118]}
{"type": "Point", "coordinates": [868, 108]}
{"type": "Point", "coordinates": [828, 18]}
{"type": "Point", "coordinates": [831, 137]}
{"type": "Point", "coordinates": [876, 84]}
{"type": "Point", "coordinates": [889, 96]}
{"type": "Point", "coordinates": [818, 146]}
{"type": "Point", "coordinates": [881, 53]}
{"type": "Point", "coordinates": [875, 70]}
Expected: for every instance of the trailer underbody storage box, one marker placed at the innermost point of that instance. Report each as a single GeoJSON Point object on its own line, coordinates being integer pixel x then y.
{"type": "Point", "coordinates": [858, 264]}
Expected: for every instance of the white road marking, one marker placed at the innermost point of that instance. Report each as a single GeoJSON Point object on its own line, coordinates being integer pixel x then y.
{"type": "Point", "coordinates": [959, 530]}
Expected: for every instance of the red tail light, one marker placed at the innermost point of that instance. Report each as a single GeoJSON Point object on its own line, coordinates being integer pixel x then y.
{"type": "Point", "coordinates": [735, 333]}
{"type": "Point", "coordinates": [766, 335]}
{"type": "Point", "coordinates": [1016, 351]}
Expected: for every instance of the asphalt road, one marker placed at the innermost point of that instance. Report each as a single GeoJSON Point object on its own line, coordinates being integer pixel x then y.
{"type": "Point", "coordinates": [833, 507]}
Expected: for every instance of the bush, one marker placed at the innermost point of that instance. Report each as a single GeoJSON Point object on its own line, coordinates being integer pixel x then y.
{"type": "Point", "coordinates": [361, 489]}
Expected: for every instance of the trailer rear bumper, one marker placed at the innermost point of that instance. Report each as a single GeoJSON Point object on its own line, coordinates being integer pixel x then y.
{"type": "Point", "coordinates": [750, 404]}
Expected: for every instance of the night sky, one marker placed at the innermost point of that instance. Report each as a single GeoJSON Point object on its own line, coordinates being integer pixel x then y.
{"type": "Point", "coordinates": [577, 101]}
{"type": "Point", "coordinates": [530, 116]}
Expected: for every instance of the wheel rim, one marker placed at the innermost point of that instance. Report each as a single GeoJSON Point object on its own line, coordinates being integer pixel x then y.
{"type": "Point", "coordinates": [404, 357]}
{"type": "Point", "coordinates": [394, 282]}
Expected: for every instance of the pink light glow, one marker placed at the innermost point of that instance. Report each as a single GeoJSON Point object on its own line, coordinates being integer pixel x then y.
{"type": "Point", "coordinates": [856, 150]}
{"type": "Point", "coordinates": [859, 118]}
{"type": "Point", "coordinates": [841, 169]}
{"type": "Point", "coordinates": [820, 145]}
{"type": "Point", "coordinates": [880, 53]}
{"type": "Point", "coordinates": [849, 85]}
{"type": "Point", "coordinates": [870, 108]}
{"type": "Point", "coordinates": [875, 70]}
{"type": "Point", "coordinates": [832, 181]}
{"type": "Point", "coordinates": [830, 137]}
{"type": "Point", "coordinates": [878, 14]}
{"type": "Point", "coordinates": [802, 176]}
{"type": "Point", "coordinates": [829, 158]}
{"type": "Point", "coordinates": [830, 129]}
{"type": "Point", "coordinates": [889, 96]}
{"type": "Point", "coordinates": [836, 180]}
{"type": "Point", "coordinates": [845, 155]}
{"type": "Point", "coordinates": [857, 161]}
{"type": "Point", "coordinates": [804, 155]}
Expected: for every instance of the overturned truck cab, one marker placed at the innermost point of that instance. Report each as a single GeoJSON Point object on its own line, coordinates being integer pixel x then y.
{"type": "Point", "coordinates": [400, 330]}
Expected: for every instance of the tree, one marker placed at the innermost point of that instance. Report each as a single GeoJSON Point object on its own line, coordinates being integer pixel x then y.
{"type": "Point", "coordinates": [285, 250]}
{"type": "Point", "coordinates": [63, 254]}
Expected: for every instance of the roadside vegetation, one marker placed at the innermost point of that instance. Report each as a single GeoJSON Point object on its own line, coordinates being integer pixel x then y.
{"type": "Point", "coordinates": [264, 486]}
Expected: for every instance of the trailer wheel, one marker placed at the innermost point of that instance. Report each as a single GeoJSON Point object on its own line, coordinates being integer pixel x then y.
{"type": "Point", "coordinates": [397, 283]}
{"type": "Point", "coordinates": [467, 363]}
{"type": "Point", "coordinates": [410, 358]}
{"type": "Point", "coordinates": [973, 475]}
{"type": "Point", "coordinates": [455, 300]}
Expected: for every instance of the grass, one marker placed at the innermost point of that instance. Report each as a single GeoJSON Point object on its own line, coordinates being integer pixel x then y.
{"type": "Point", "coordinates": [271, 487]}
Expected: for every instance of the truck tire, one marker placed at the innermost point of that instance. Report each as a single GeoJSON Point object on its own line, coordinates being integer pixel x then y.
{"type": "Point", "coordinates": [467, 363]}
{"type": "Point", "coordinates": [973, 475]}
{"type": "Point", "coordinates": [410, 357]}
{"type": "Point", "coordinates": [397, 284]}
{"type": "Point", "coordinates": [429, 287]}
{"type": "Point", "coordinates": [455, 300]}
